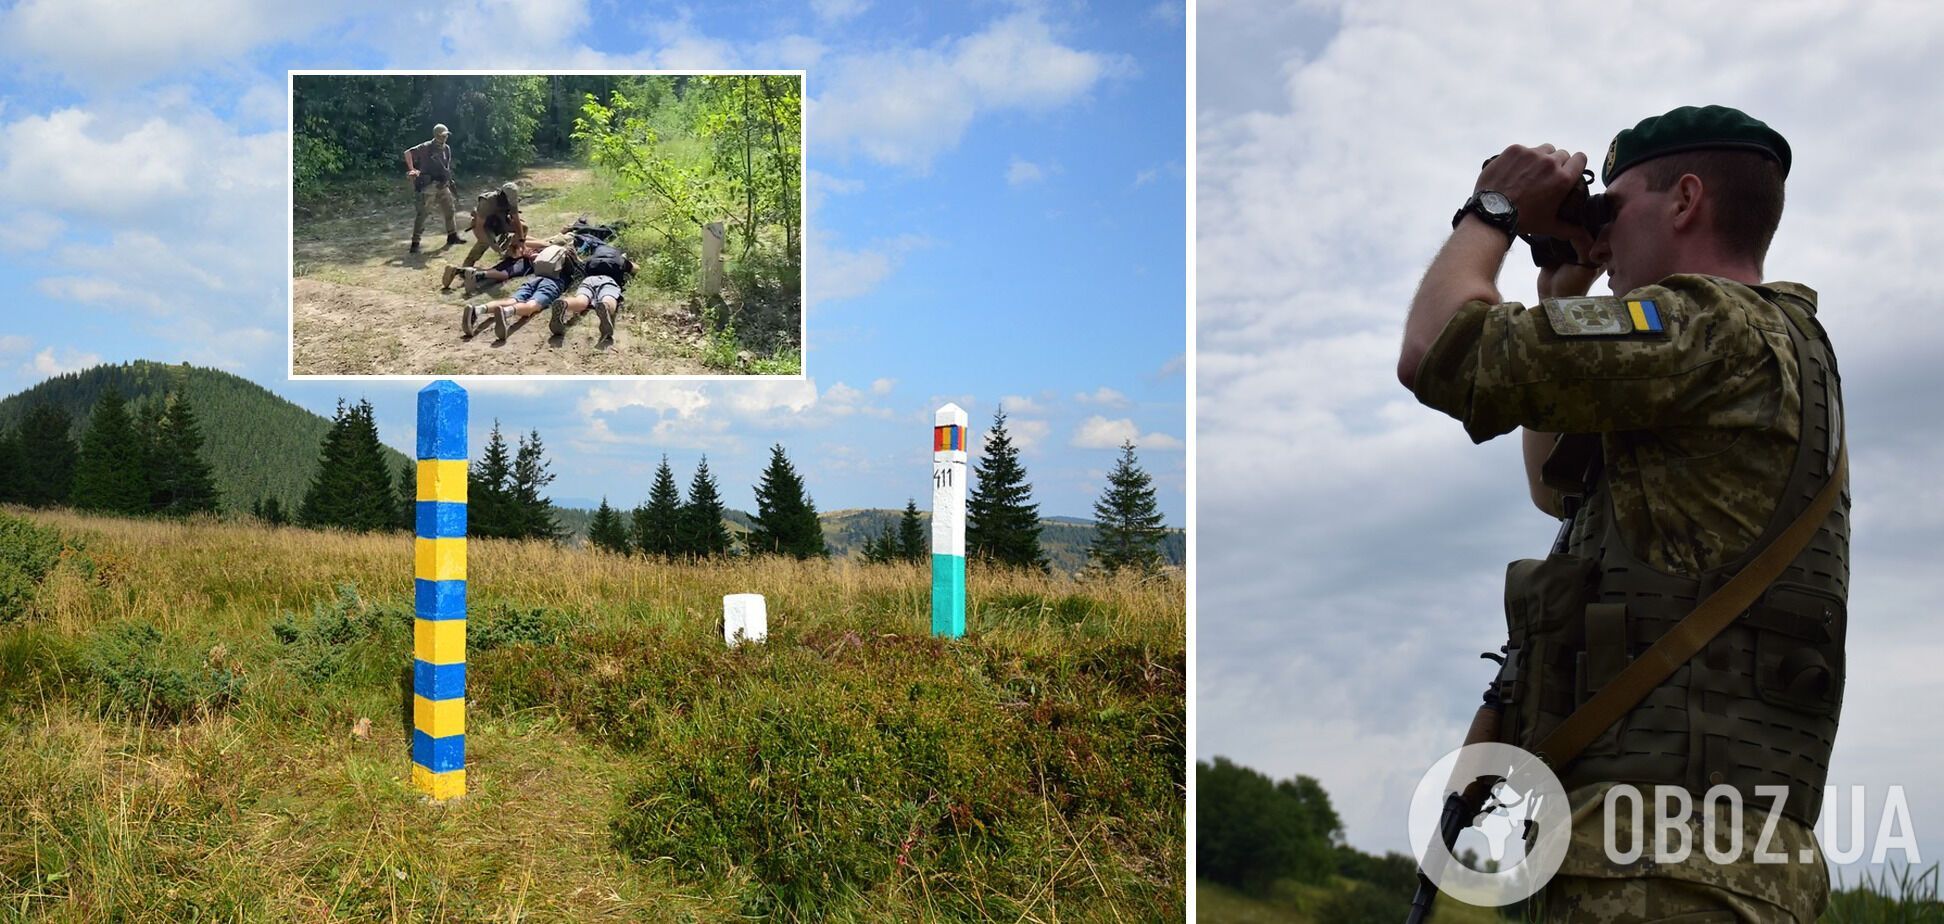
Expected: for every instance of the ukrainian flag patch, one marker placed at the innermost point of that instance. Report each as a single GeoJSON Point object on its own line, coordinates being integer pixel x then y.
{"type": "Point", "coordinates": [1645, 316]}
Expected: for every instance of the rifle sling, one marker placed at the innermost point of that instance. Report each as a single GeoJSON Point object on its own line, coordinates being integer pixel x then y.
{"type": "Point", "coordinates": [1692, 633]}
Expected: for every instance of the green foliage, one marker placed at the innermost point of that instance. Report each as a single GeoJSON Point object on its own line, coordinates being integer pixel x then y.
{"type": "Point", "coordinates": [344, 640]}
{"type": "Point", "coordinates": [28, 551]}
{"type": "Point", "coordinates": [1129, 521]}
{"type": "Point", "coordinates": [606, 532]}
{"type": "Point", "coordinates": [179, 479]}
{"type": "Point", "coordinates": [1365, 904]}
{"type": "Point", "coordinates": [353, 487]}
{"type": "Point", "coordinates": [43, 452]}
{"type": "Point", "coordinates": [1249, 832]}
{"type": "Point", "coordinates": [1900, 895]}
{"type": "Point", "coordinates": [786, 518]}
{"type": "Point", "coordinates": [531, 515]}
{"type": "Point", "coordinates": [1001, 521]}
{"type": "Point", "coordinates": [408, 497]}
{"type": "Point", "coordinates": [489, 503]}
{"type": "Point", "coordinates": [258, 445]}
{"type": "Point", "coordinates": [111, 474]}
{"type": "Point", "coordinates": [504, 624]}
{"type": "Point", "coordinates": [911, 534]}
{"type": "Point", "coordinates": [141, 673]}
{"type": "Point", "coordinates": [702, 530]}
{"type": "Point", "coordinates": [361, 125]}
{"type": "Point", "coordinates": [657, 523]}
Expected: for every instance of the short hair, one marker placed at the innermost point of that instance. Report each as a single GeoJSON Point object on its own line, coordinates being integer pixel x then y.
{"type": "Point", "coordinates": [1746, 187]}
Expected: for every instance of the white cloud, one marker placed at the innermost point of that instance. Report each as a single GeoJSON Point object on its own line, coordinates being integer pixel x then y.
{"type": "Point", "coordinates": [1021, 172]}
{"type": "Point", "coordinates": [903, 107]}
{"type": "Point", "coordinates": [1098, 432]}
{"type": "Point", "coordinates": [57, 161]}
{"type": "Point", "coordinates": [681, 398]}
{"type": "Point", "coordinates": [31, 231]}
{"type": "Point", "coordinates": [836, 274]}
{"type": "Point", "coordinates": [46, 364]}
{"type": "Point", "coordinates": [1028, 435]}
{"type": "Point", "coordinates": [1103, 396]}
{"type": "Point", "coordinates": [1020, 404]}
{"type": "Point", "coordinates": [1167, 13]}
{"type": "Point", "coordinates": [105, 41]}
{"type": "Point", "coordinates": [882, 386]}
{"type": "Point", "coordinates": [835, 10]}
{"type": "Point", "coordinates": [11, 344]}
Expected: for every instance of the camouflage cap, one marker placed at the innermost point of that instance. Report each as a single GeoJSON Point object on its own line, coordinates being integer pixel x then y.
{"type": "Point", "coordinates": [1691, 128]}
{"type": "Point", "coordinates": [512, 191]}
{"type": "Point", "coordinates": [440, 129]}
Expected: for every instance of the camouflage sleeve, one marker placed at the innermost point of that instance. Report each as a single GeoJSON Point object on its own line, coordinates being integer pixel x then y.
{"type": "Point", "coordinates": [1498, 367]}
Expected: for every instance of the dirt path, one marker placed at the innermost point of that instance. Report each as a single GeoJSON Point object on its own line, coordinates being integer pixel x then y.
{"type": "Point", "coordinates": [363, 306]}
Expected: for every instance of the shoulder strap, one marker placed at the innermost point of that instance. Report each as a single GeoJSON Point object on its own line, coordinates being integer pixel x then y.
{"type": "Point", "coordinates": [1681, 643]}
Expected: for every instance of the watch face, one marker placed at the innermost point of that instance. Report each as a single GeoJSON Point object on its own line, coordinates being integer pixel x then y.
{"type": "Point", "coordinates": [1495, 203]}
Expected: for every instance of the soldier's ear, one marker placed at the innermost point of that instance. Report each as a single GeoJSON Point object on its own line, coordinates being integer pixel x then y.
{"type": "Point", "coordinates": [1688, 194]}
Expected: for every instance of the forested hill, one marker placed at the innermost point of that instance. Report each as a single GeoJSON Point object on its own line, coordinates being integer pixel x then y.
{"type": "Point", "coordinates": [257, 444]}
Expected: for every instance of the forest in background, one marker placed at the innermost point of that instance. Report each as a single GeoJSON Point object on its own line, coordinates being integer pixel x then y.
{"type": "Point", "coordinates": [672, 152]}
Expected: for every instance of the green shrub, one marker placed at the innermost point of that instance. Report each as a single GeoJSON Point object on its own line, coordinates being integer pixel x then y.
{"type": "Point", "coordinates": [1364, 904]}
{"type": "Point", "coordinates": [504, 624]}
{"type": "Point", "coordinates": [141, 673]}
{"type": "Point", "coordinates": [28, 551]}
{"type": "Point", "coordinates": [345, 640]}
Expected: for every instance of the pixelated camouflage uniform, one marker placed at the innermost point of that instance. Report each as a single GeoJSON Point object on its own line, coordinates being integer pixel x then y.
{"type": "Point", "coordinates": [433, 186]}
{"type": "Point", "coordinates": [1699, 431]}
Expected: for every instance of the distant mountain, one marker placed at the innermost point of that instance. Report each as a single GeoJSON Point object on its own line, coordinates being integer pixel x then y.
{"type": "Point", "coordinates": [258, 444]}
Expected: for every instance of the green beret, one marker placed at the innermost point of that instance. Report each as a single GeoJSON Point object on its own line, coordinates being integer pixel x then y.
{"type": "Point", "coordinates": [1692, 128]}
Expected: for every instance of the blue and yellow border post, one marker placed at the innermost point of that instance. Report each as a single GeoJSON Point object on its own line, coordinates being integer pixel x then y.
{"type": "Point", "coordinates": [439, 629]}
{"type": "Point", "coordinates": [948, 521]}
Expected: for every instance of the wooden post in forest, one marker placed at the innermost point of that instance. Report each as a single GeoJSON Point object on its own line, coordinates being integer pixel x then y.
{"type": "Point", "coordinates": [712, 261]}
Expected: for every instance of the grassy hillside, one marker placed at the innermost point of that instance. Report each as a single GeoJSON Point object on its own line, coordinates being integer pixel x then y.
{"type": "Point", "coordinates": [257, 444]}
{"type": "Point", "coordinates": [207, 720]}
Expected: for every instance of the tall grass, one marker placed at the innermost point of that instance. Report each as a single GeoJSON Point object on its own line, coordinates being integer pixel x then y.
{"type": "Point", "coordinates": [180, 727]}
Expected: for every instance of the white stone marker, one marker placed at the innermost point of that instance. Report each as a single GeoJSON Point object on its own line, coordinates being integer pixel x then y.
{"type": "Point", "coordinates": [948, 521]}
{"type": "Point", "coordinates": [744, 619]}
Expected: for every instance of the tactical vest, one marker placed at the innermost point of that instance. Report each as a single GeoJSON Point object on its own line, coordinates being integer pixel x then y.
{"type": "Point", "coordinates": [1758, 706]}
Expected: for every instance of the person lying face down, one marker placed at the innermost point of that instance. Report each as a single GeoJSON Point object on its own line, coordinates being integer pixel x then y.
{"type": "Point", "coordinates": [533, 296]}
{"type": "Point", "coordinates": [600, 289]}
{"type": "Point", "coordinates": [518, 262]}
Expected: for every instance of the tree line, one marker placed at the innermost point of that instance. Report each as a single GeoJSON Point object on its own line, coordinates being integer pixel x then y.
{"type": "Point", "coordinates": [137, 459]}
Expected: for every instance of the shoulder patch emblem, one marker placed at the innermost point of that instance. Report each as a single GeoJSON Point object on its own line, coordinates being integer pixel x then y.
{"type": "Point", "coordinates": [1602, 316]}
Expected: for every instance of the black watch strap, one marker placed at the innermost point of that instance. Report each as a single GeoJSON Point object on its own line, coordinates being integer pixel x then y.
{"type": "Point", "coordinates": [1506, 222]}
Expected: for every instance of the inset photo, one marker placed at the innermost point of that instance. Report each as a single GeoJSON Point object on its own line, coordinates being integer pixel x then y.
{"type": "Point", "coordinates": [583, 224]}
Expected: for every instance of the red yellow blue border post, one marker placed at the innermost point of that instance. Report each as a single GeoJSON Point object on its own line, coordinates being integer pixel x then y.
{"type": "Point", "coordinates": [439, 596]}
{"type": "Point", "coordinates": [948, 521]}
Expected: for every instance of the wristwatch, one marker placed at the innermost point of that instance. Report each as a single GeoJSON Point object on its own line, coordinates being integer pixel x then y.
{"type": "Point", "coordinates": [1494, 209]}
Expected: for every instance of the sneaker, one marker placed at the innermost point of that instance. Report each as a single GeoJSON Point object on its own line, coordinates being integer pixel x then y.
{"type": "Point", "coordinates": [469, 280]}
{"type": "Point", "coordinates": [557, 319]}
{"type": "Point", "coordinates": [499, 320]}
{"type": "Point", "coordinates": [445, 279]}
{"type": "Point", "coordinates": [468, 320]}
{"type": "Point", "coordinates": [606, 317]}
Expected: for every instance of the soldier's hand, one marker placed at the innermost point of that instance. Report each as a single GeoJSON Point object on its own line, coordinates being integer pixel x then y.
{"type": "Point", "coordinates": [1537, 180]}
{"type": "Point", "coordinates": [411, 173]}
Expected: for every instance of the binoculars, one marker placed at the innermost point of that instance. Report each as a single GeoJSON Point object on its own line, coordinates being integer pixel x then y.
{"type": "Point", "coordinates": [1582, 208]}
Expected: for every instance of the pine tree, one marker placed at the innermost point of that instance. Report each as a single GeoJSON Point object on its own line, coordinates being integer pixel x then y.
{"type": "Point", "coordinates": [533, 514]}
{"type": "Point", "coordinates": [786, 520]}
{"type": "Point", "coordinates": [1001, 521]}
{"type": "Point", "coordinates": [180, 482]}
{"type": "Point", "coordinates": [9, 467]}
{"type": "Point", "coordinates": [47, 455]}
{"type": "Point", "coordinates": [1128, 524]}
{"type": "Point", "coordinates": [489, 506]}
{"type": "Point", "coordinates": [606, 531]}
{"type": "Point", "coordinates": [702, 531]}
{"type": "Point", "coordinates": [911, 533]}
{"type": "Point", "coordinates": [882, 548]}
{"type": "Point", "coordinates": [110, 475]}
{"type": "Point", "coordinates": [353, 486]}
{"type": "Point", "coordinates": [270, 511]}
{"type": "Point", "coordinates": [408, 496]}
{"type": "Point", "coordinates": [658, 522]}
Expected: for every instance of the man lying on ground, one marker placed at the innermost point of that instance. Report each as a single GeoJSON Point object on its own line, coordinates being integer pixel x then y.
{"type": "Point", "coordinates": [599, 289]}
{"type": "Point", "coordinates": [532, 297]}
{"type": "Point", "coordinates": [516, 264]}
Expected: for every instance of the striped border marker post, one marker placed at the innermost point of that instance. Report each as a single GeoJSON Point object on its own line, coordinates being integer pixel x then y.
{"type": "Point", "coordinates": [948, 522]}
{"type": "Point", "coordinates": [439, 631]}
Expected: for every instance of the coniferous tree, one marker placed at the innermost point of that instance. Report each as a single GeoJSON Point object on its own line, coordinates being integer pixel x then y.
{"type": "Point", "coordinates": [408, 497]}
{"type": "Point", "coordinates": [353, 486]}
{"type": "Point", "coordinates": [606, 531]}
{"type": "Point", "coordinates": [882, 548]}
{"type": "Point", "coordinates": [1128, 524]}
{"type": "Point", "coordinates": [658, 522]}
{"type": "Point", "coordinates": [47, 453]}
{"type": "Point", "coordinates": [270, 511]}
{"type": "Point", "coordinates": [489, 506]}
{"type": "Point", "coordinates": [1001, 521]}
{"type": "Point", "coordinates": [786, 519]}
{"type": "Point", "coordinates": [702, 531]}
{"type": "Point", "coordinates": [109, 475]}
{"type": "Point", "coordinates": [9, 467]}
{"type": "Point", "coordinates": [180, 482]}
{"type": "Point", "coordinates": [911, 533]}
{"type": "Point", "coordinates": [533, 514]}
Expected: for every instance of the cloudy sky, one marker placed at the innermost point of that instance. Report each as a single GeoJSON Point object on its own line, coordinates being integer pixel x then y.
{"type": "Point", "coordinates": [997, 217]}
{"type": "Point", "coordinates": [1352, 543]}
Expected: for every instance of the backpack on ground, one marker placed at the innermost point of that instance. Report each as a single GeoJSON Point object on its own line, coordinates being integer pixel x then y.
{"type": "Point", "coordinates": [554, 261]}
{"type": "Point", "coordinates": [607, 260]}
